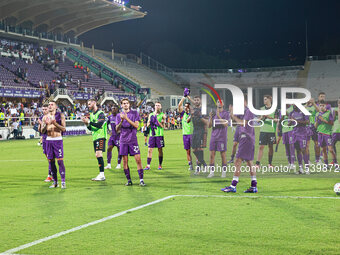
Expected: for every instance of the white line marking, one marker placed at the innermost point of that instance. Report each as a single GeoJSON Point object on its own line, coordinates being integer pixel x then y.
{"type": "Point", "coordinates": [83, 226]}
{"type": "Point", "coordinates": [11, 251]}
{"type": "Point", "coordinates": [256, 196]}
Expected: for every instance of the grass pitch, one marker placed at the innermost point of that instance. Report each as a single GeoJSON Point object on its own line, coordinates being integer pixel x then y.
{"type": "Point", "coordinates": [180, 225]}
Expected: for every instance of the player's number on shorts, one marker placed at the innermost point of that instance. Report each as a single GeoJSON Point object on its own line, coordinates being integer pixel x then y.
{"type": "Point", "coordinates": [60, 153]}
{"type": "Point", "coordinates": [136, 149]}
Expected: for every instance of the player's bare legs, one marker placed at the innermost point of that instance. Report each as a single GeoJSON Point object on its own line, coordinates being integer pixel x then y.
{"type": "Point", "coordinates": [109, 157]}
{"type": "Point", "coordinates": [212, 164]}
{"type": "Point", "coordinates": [233, 153]}
{"type": "Point", "coordinates": [189, 159]}
{"type": "Point", "coordinates": [270, 153]}
{"type": "Point", "coordinates": [260, 154]}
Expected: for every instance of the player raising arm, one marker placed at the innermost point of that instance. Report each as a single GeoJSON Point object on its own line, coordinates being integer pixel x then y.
{"type": "Point", "coordinates": [187, 128]}
{"type": "Point", "coordinates": [156, 139]}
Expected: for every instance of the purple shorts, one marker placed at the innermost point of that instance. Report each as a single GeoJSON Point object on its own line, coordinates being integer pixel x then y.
{"type": "Point", "coordinates": [288, 138]}
{"type": "Point", "coordinates": [113, 141]}
{"type": "Point", "coordinates": [156, 142]}
{"type": "Point", "coordinates": [246, 148]}
{"type": "Point", "coordinates": [126, 149]}
{"type": "Point", "coordinates": [187, 142]}
{"type": "Point", "coordinates": [324, 140]}
{"type": "Point", "coordinates": [217, 145]}
{"type": "Point", "coordinates": [335, 137]}
{"type": "Point", "coordinates": [300, 141]}
{"type": "Point", "coordinates": [54, 149]}
{"type": "Point", "coordinates": [312, 133]}
{"type": "Point", "coordinates": [236, 135]}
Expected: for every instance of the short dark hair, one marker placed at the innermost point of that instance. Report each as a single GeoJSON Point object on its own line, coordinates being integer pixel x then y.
{"type": "Point", "coordinates": [91, 100]}
{"type": "Point", "coordinates": [45, 105]}
{"type": "Point", "coordinates": [197, 96]}
{"type": "Point", "coordinates": [188, 103]}
{"type": "Point", "coordinates": [322, 93]}
{"type": "Point", "coordinates": [124, 99]}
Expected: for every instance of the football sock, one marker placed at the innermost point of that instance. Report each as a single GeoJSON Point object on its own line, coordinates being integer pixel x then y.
{"type": "Point", "coordinates": [253, 181]}
{"type": "Point", "coordinates": [141, 174]}
{"type": "Point", "coordinates": [299, 157]}
{"type": "Point", "coordinates": [127, 174]}
{"type": "Point", "coordinates": [306, 158]}
{"type": "Point", "coordinates": [109, 156]}
{"type": "Point", "coordinates": [234, 181]}
{"type": "Point", "coordinates": [257, 163]}
{"type": "Point", "coordinates": [160, 160]}
{"type": "Point", "coordinates": [101, 164]}
{"type": "Point", "coordinates": [49, 170]}
{"type": "Point", "coordinates": [54, 171]}
{"type": "Point", "coordinates": [61, 170]}
{"type": "Point", "coordinates": [212, 168]}
{"type": "Point", "coordinates": [270, 159]}
{"type": "Point", "coordinates": [119, 159]}
{"type": "Point", "coordinates": [292, 153]}
{"type": "Point", "coordinates": [288, 153]}
{"type": "Point", "coordinates": [148, 161]}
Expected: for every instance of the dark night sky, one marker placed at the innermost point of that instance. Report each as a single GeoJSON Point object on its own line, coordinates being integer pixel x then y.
{"type": "Point", "coordinates": [225, 33]}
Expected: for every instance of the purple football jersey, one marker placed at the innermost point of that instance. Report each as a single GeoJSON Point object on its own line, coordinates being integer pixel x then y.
{"type": "Point", "coordinates": [219, 132]}
{"type": "Point", "coordinates": [300, 129]}
{"type": "Point", "coordinates": [247, 129]}
{"type": "Point", "coordinates": [112, 123]}
{"type": "Point", "coordinates": [128, 133]}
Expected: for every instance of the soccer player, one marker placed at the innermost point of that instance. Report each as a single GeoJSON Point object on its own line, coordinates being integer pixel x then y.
{"type": "Point", "coordinates": [218, 141]}
{"type": "Point", "coordinates": [114, 138]}
{"type": "Point", "coordinates": [267, 132]}
{"type": "Point", "coordinates": [53, 125]}
{"type": "Point", "coordinates": [336, 131]}
{"type": "Point", "coordinates": [127, 123]}
{"type": "Point", "coordinates": [324, 122]}
{"type": "Point", "coordinates": [187, 128]}
{"type": "Point", "coordinates": [235, 144]}
{"type": "Point", "coordinates": [199, 135]}
{"type": "Point", "coordinates": [44, 136]}
{"type": "Point", "coordinates": [156, 137]}
{"type": "Point", "coordinates": [146, 130]}
{"type": "Point", "coordinates": [246, 150]}
{"type": "Point", "coordinates": [288, 138]}
{"type": "Point", "coordinates": [312, 132]}
{"type": "Point", "coordinates": [300, 133]}
{"type": "Point", "coordinates": [98, 126]}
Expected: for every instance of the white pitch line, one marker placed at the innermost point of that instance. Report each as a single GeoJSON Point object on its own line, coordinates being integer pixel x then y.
{"type": "Point", "coordinates": [82, 226]}
{"type": "Point", "coordinates": [12, 251]}
{"type": "Point", "coordinates": [255, 196]}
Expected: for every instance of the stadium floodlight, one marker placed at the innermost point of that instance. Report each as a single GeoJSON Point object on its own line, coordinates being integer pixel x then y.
{"type": "Point", "coordinates": [123, 3]}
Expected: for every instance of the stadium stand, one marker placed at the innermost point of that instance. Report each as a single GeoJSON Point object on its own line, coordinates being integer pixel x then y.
{"type": "Point", "coordinates": [147, 78]}
{"type": "Point", "coordinates": [91, 83]}
{"type": "Point", "coordinates": [245, 79]}
{"type": "Point", "coordinates": [324, 75]}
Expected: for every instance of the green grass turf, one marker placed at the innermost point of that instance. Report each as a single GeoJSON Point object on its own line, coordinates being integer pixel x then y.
{"type": "Point", "coordinates": [182, 225]}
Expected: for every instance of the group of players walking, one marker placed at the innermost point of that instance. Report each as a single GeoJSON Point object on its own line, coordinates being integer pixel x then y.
{"type": "Point", "coordinates": [322, 126]}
